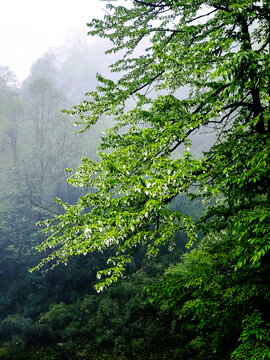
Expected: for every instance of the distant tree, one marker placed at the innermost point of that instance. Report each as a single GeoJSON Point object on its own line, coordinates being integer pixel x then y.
{"type": "Point", "coordinates": [37, 143]}
{"type": "Point", "coordinates": [219, 51]}
{"type": "Point", "coordinates": [49, 137]}
{"type": "Point", "coordinates": [8, 82]}
{"type": "Point", "coordinates": [11, 112]}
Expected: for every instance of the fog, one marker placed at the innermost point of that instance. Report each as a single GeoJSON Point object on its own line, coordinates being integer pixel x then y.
{"type": "Point", "coordinates": [48, 63]}
{"type": "Point", "coordinates": [29, 28]}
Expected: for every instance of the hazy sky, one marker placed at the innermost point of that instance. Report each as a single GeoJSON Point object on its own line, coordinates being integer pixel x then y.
{"type": "Point", "coordinates": [28, 28]}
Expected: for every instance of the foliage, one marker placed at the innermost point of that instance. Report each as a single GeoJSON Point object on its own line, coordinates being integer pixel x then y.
{"type": "Point", "coordinates": [215, 51]}
{"type": "Point", "coordinates": [255, 339]}
{"type": "Point", "coordinates": [117, 324]}
{"type": "Point", "coordinates": [204, 289]}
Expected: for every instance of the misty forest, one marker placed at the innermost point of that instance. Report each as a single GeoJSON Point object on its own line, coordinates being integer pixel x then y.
{"type": "Point", "coordinates": [135, 198]}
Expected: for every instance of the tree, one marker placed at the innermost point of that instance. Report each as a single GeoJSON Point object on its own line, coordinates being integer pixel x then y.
{"type": "Point", "coordinates": [216, 52]}
{"type": "Point", "coordinates": [205, 291]}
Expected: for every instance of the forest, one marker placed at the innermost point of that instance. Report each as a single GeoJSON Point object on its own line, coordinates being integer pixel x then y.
{"type": "Point", "coordinates": [134, 187]}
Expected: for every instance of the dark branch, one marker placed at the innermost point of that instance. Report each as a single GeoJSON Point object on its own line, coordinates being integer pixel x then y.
{"type": "Point", "coordinates": [201, 16]}
{"type": "Point", "coordinates": [159, 5]}
{"type": "Point", "coordinates": [32, 202]}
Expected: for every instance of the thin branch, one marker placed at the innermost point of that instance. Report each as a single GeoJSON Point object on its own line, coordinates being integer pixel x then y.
{"type": "Point", "coordinates": [226, 116]}
{"type": "Point", "coordinates": [236, 105]}
{"type": "Point", "coordinates": [223, 8]}
{"type": "Point", "coordinates": [264, 45]}
{"type": "Point", "coordinates": [181, 141]}
{"type": "Point", "coordinates": [146, 84]}
{"type": "Point", "coordinates": [201, 16]}
{"type": "Point", "coordinates": [159, 5]}
{"type": "Point", "coordinates": [215, 93]}
{"type": "Point", "coordinates": [32, 202]}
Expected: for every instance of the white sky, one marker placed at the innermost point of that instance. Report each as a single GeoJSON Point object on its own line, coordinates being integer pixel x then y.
{"type": "Point", "coordinates": [28, 28]}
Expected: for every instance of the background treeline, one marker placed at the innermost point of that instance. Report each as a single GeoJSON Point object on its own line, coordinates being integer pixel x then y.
{"type": "Point", "coordinates": [57, 314]}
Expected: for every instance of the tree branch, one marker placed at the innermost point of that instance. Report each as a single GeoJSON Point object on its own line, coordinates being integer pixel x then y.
{"type": "Point", "coordinates": [32, 202]}
{"type": "Point", "coordinates": [159, 5]}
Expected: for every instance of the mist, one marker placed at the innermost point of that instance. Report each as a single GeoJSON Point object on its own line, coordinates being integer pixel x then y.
{"type": "Point", "coordinates": [38, 142]}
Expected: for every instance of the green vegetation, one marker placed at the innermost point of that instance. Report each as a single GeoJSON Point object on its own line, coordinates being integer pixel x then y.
{"type": "Point", "coordinates": [187, 68]}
